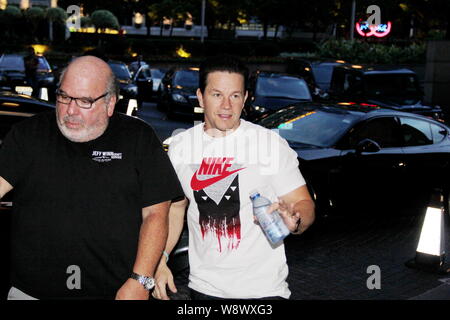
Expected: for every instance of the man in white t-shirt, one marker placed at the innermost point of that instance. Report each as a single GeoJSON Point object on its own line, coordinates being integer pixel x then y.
{"type": "Point", "coordinates": [219, 163]}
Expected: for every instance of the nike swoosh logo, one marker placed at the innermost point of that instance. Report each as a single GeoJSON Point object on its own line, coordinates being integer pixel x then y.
{"type": "Point", "coordinates": [202, 184]}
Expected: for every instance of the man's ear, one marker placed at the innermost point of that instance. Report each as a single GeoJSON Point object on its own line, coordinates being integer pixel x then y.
{"type": "Point", "coordinates": [200, 97]}
{"type": "Point", "coordinates": [111, 105]}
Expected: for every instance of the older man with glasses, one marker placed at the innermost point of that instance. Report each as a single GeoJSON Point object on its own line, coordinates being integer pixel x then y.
{"type": "Point", "coordinates": [91, 194]}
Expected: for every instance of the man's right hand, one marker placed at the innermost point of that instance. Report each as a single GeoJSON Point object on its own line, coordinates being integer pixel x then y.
{"type": "Point", "coordinates": [163, 279]}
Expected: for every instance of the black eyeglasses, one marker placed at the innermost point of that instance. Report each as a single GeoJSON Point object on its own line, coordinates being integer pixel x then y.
{"type": "Point", "coordinates": [83, 102]}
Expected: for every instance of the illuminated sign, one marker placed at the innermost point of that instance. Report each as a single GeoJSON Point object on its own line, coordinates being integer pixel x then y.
{"type": "Point", "coordinates": [378, 30]}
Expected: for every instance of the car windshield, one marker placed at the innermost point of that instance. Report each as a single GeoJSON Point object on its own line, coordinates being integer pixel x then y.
{"type": "Point", "coordinates": [283, 87]}
{"type": "Point", "coordinates": [186, 78]}
{"type": "Point", "coordinates": [12, 63]}
{"type": "Point", "coordinates": [322, 73]}
{"type": "Point", "coordinates": [316, 127]}
{"type": "Point", "coordinates": [16, 63]}
{"type": "Point", "coordinates": [157, 73]}
{"type": "Point", "coordinates": [392, 85]}
{"type": "Point", "coordinates": [120, 71]}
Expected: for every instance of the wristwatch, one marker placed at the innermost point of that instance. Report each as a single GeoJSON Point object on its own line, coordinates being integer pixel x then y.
{"type": "Point", "coordinates": [147, 282]}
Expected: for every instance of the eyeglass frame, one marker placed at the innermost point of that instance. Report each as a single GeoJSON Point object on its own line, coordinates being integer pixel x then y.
{"type": "Point", "coordinates": [59, 92]}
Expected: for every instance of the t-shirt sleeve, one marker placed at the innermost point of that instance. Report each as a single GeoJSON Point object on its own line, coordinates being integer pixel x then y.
{"type": "Point", "coordinates": [288, 176]}
{"type": "Point", "coordinates": [157, 177]}
{"type": "Point", "coordinates": [14, 157]}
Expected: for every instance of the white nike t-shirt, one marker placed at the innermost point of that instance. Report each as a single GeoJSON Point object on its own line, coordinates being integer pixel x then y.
{"type": "Point", "coordinates": [229, 255]}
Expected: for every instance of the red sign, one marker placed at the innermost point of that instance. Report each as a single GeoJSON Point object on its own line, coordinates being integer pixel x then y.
{"type": "Point", "coordinates": [380, 30]}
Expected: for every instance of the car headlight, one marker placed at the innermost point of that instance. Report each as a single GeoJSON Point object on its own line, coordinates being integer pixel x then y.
{"type": "Point", "coordinates": [260, 109]}
{"type": "Point", "coordinates": [178, 98]}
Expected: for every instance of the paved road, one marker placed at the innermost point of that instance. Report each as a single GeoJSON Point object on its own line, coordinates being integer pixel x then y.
{"type": "Point", "coordinates": [330, 262]}
{"type": "Point", "coordinates": [164, 128]}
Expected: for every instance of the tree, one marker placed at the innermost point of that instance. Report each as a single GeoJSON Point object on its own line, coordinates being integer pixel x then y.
{"type": "Point", "coordinates": [103, 19]}
{"type": "Point", "coordinates": [34, 16]}
{"type": "Point", "coordinates": [10, 17]}
{"type": "Point", "coordinates": [55, 15]}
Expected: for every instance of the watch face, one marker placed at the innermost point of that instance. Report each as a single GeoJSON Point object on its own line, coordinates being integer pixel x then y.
{"type": "Point", "coordinates": [149, 283]}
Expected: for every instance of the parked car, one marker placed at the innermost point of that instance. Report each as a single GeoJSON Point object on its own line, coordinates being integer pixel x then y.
{"type": "Point", "coordinates": [177, 93]}
{"type": "Point", "coordinates": [12, 76]}
{"type": "Point", "coordinates": [394, 88]}
{"type": "Point", "coordinates": [144, 81]}
{"type": "Point", "coordinates": [270, 91]}
{"type": "Point", "coordinates": [359, 158]}
{"type": "Point", "coordinates": [128, 96]}
{"type": "Point", "coordinates": [316, 72]}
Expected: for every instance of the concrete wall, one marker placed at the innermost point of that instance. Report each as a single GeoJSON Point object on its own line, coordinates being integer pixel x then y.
{"type": "Point", "coordinates": [437, 74]}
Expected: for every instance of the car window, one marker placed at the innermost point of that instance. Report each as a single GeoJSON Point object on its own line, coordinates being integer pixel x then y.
{"type": "Point", "coordinates": [383, 130]}
{"type": "Point", "coordinates": [43, 64]}
{"type": "Point", "coordinates": [145, 73]}
{"type": "Point", "coordinates": [337, 81]}
{"type": "Point", "coordinates": [121, 71]}
{"type": "Point", "coordinates": [390, 84]}
{"type": "Point", "coordinates": [186, 78]}
{"type": "Point", "coordinates": [318, 128]}
{"type": "Point", "coordinates": [12, 63]}
{"type": "Point", "coordinates": [283, 87]}
{"type": "Point", "coordinates": [322, 73]}
{"type": "Point", "coordinates": [157, 73]}
{"type": "Point", "coordinates": [439, 133]}
{"type": "Point", "coordinates": [416, 132]}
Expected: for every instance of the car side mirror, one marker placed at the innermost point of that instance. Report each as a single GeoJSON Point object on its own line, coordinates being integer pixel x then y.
{"type": "Point", "coordinates": [367, 145]}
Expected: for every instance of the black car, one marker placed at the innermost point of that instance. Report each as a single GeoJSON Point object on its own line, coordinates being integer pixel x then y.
{"type": "Point", "coordinates": [128, 96]}
{"type": "Point", "coordinates": [361, 158]}
{"type": "Point", "coordinates": [395, 88]}
{"type": "Point", "coordinates": [16, 107]}
{"type": "Point", "coordinates": [316, 72]}
{"type": "Point", "coordinates": [12, 76]}
{"type": "Point", "coordinates": [270, 91]}
{"type": "Point", "coordinates": [177, 93]}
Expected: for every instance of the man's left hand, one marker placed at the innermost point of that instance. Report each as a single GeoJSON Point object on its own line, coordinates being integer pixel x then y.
{"type": "Point", "coordinates": [132, 290]}
{"type": "Point", "coordinates": [287, 212]}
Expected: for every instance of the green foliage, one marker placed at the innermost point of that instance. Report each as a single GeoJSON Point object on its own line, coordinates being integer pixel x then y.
{"type": "Point", "coordinates": [56, 14]}
{"type": "Point", "coordinates": [103, 19]}
{"type": "Point", "coordinates": [365, 52]}
{"type": "Point", "coordinates": [85, 22]}
{"type": "Point", "coordinates": [11, 13]}
{"type": "Point", "coordinates": [35, 14]}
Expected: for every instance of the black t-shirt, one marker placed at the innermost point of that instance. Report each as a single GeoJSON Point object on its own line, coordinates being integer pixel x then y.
{"type": "Point", "coordinates": [78, 206]}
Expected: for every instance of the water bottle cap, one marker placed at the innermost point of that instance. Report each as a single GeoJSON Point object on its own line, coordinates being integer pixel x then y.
{"type": "Point", "coordinates": [254, 194]}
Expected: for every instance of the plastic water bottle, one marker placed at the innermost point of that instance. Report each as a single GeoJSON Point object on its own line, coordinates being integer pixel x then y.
{"type": "Point", "coordinates": [271, 223]}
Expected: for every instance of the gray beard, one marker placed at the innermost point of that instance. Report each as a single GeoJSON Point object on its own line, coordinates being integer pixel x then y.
{"type": "Point", "coordinates": [85, 134]}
